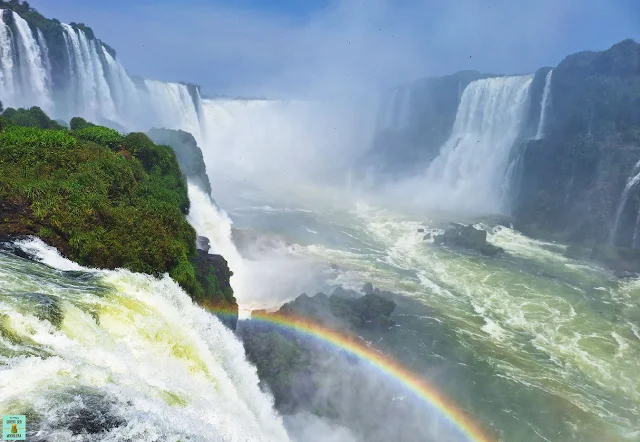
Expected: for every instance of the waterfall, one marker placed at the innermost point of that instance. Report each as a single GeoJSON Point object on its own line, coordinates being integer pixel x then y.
{"type": "Point", "coordinates": [631, 182]}
{"type": "Point", "coordinates": [93, 98]}
{"type": "Point", "coordinates": [35, 86]}
{"type": "Point", "coordinates": [213, 223]}
{"type": "Point", "coordinates": [93, 84]}
{"type": "Point", "coordinates": [174, 106]}
{"type": "Point", "coordinates": [124, 352]}
{"type": "Point", "coordinates": [471, 172]}
{"type": "Point", "coordinates": [6, 59]}
{"type": "Point", "coordinates": [544, 105]}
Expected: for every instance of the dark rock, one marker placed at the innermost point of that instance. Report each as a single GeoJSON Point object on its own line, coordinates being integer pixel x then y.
{"type": "Point", "coordinates": [367, 288]}
{"type": "Point", "coordinates": [345, 309]}
{"type": "Point", "coordinates": [571, 181]}
{"type": "Point", "coordinates": [188, 153]}
{"type": "Point", "coordinates": [468, 237]}
{"type": "Point", "coordinates": [333, 266]}
{"type": "Point", "coordinates": [213, 274]}
{"type": "Point", "coordinates": [344, 293]}
{"type": "Point", "coordinates": [203, 243]}
{"type": "Point", "coordinates": [421, 230]}
{"type": "Point", "coordinates": [426, 237]}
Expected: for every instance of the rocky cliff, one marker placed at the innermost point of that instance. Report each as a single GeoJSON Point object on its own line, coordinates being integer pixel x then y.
{"type": "Point", "coordinates": [572, 180]}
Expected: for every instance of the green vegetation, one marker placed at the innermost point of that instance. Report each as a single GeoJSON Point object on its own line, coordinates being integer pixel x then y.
{"type": "Point", "coordinates": [104, 199]}
{"type": "Point", "coordinates": [34, 117]}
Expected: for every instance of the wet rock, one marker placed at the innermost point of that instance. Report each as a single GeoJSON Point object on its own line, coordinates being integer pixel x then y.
{"type": "Point", "coordinates": [333, 266]}
{"type": "Point", "coordinates": [367, 288]}
{"type": "Point", "coordinates": [213, 274]}
{"type": "Point", "coordinates": [468, 237]}
{"type": "Point", "coordinates": [203, 243]}
{"type": "Point", "coordinates": [420, 230]}
{"type": "Point", "coordinates": [427, 236]}
{"type": "Point", "coordinates": [345, 309]}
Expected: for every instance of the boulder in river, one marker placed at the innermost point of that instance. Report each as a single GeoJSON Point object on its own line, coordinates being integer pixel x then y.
{"type": "Point", "coordinates": [467, 237]}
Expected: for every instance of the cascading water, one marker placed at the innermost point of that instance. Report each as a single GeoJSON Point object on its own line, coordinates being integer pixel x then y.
{"type": "Point", "coordinates": [213, 223]}
{"type": "Point", "coordinates": [6, 59]}
{"type": "Point", "coordinates": [544, 105]}
{"type": "Point", "coordinates": [470, 174]}
{"type": "Point", "coordinates": [35, 80]}
{"type": "Point", "coordinates": [631, 182]}
{"type": "Point", "coordinates": [114, 355]}
{"type": "Point", "coordinates": [174, 106]}
{"type": "Point", "coordinates": [94, 85]}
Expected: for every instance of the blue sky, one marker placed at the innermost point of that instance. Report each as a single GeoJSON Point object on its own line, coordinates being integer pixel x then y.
{"type": "Point", "coordinates": [294, 47]}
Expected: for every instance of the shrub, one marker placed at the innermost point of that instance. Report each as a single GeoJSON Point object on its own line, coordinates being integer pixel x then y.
{"type": "Point", "coordinates": [99, 135]}
{"type": "Point", "coordinates": [103, 208]}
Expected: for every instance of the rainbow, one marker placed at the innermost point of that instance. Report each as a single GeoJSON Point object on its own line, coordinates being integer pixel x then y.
{"type": "Point", "coordinates": [386, 365]}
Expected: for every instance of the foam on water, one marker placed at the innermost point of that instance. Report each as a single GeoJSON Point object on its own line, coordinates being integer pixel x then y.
{"type": "Point", "coordinates": [126, 353]}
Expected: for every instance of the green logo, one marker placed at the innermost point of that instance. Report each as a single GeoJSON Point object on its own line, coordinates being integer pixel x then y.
{"type": "Point", "coordinates": [14, 427]}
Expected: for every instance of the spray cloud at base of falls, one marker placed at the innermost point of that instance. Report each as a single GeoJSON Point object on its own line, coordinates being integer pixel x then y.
{"type": "Point", "coordinates": [125, 352]}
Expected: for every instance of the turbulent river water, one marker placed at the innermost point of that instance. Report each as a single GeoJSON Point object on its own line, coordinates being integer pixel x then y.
{"type": "Point", "coordinates": [532, 344]}
{"type": "Point", "coordinates": [117, 356]}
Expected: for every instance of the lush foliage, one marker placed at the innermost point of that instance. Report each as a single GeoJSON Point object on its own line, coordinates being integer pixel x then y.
{"type": "Point", "coordinates": [33, 117]}
{"type": "Point", "coordinates": [106, 200]}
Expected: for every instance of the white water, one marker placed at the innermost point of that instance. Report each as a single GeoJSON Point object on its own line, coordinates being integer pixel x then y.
{"type": "Point", "coordinates": [470, 174]}
{"type": "Point", "coordinates": [213, 223]}
{"type": "Point", "coordinates": [94, 84]}
{"type": "Point", "coordinates": [544, 105]}
{"type": "Point", "coordinates": [174, 107]}
{"type": "Point", "coordinates": [6, 58]}
{"type": "Point", "coordinates": [631, 182]}
{"type": "Point", "coordinates": [35, 82]}
{"type": "Point", "coordinates": [130, 350]}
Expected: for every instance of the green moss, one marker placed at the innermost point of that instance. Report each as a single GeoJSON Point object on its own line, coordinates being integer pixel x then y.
{"type": "Point", "coordinates": [104, 208]}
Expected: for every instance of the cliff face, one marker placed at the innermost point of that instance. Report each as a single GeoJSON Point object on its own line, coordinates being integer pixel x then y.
{"type": "Point", "coordinates": [572, 180]}
{"type": "Point", "coordinates": [189, 155]}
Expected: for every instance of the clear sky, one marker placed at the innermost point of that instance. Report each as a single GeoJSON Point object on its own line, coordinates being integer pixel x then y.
{"type": "Point", "coordinates": [280, 47]}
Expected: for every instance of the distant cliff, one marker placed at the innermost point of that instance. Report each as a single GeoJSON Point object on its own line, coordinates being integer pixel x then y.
{"type": "Point", "coordinates": [572, 180]}
{"type": "Point", "coordinates": [414, 121]}
{"type": "Point", "coordinates": [567, 174]}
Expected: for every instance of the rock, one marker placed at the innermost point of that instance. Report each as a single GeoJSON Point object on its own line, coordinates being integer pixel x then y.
{"type": "Point", "coordinates": [345, 309]}
{"type": "Point", "coordinates": [468, 237]}
{"type": "Point", "coordinates": [332, 266]}
{"type": "Point", "coordinates": [367, 288]}
{"type": "Point", "coordinates": [188, 153]}
{"type": "Point", "coordinates": [426, 237]}
{"type": "Point", "coordinates": [421, 230]}
{"type": "Point", "coordinates": [212, 272]}
{"type": "Point", "coordinates": [203, 243]}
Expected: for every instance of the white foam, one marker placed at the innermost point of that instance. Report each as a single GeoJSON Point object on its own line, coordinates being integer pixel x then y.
{"type": "Point", "coordinates": [48, 255]}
